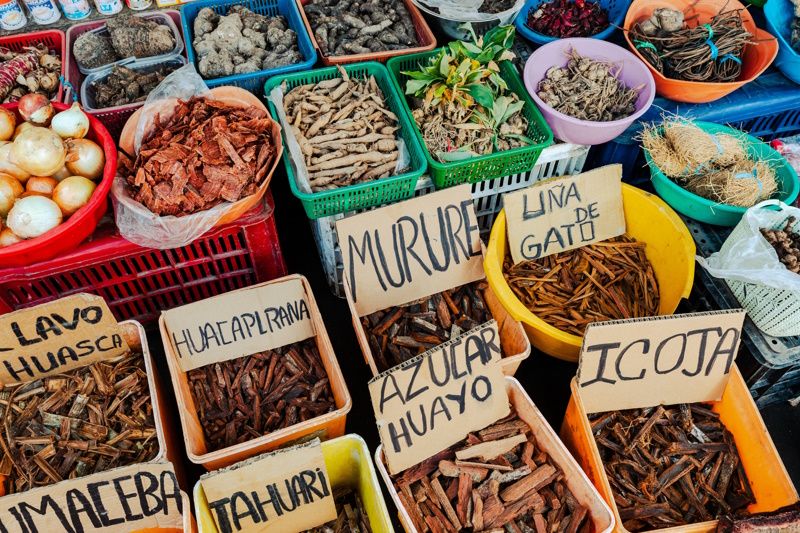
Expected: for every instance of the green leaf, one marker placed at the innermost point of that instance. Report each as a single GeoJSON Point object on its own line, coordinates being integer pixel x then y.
{"type": "Point", "coordinates": [523, 138]}
{"type": "Point", "coordinates": [440, 90]}
{"type": "Point", "coordinates": [456, 155]}
{"type": "Point", "coordinates": [482, 119]}
{"type": "Point", "coordinates": [467, 26]}
{"type": "Point", "coordinates": [499, 107]}
{"type": "Point", "coordinates": [501, 35]}
{"type": "Point", "coordinates": [485, 56]}
{"type": "Point", "coordinates": [444, 65]}
{"type": "Point", "coordinates": [474, 76]}
{"type": "Point", "coordinates": [417, 75]}
{"type": "Point", "coordinates": [480, 93]}
{"type": "Point", "coordinates": [512, 110]}
{"type": "Point", "coordinates": [416, 86]}
{"type": "Point", "coordinates": [470, 47]}
{"type": "Point", "coordinates": [464, 67]}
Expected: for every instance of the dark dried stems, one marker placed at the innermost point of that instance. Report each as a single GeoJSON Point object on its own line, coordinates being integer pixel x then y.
{"type": "Point", "coordinates": [352, 517]}
{"type": "Point", "coordinates": [496, 479]}
{"type": "Point", "coordinates": [686, 55]}
{"type": "Point", "coordinates": [609, 280]}
{"type": "Point", "coordinates": [252, 396]}
{"type": "Point", "coordinates": [71, 425]}
{"type": "Point", "coordinates": [670, 466]}
{"type": "Point", "coordinates": [400, 333]}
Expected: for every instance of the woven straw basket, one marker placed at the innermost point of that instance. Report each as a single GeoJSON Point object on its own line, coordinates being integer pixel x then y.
{"type": "Point", "coordinates": [774, 311]}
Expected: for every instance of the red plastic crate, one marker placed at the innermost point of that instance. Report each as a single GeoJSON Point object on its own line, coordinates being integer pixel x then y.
{"type": "Point", "coordinates": [138, 283]}
{"type": "Point", "coordinates": [115, 119]}
{"type": "Point", "coordinates": [52, 39]}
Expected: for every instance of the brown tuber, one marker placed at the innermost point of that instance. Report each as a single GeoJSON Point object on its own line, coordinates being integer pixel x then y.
{"type": "Point", "coordinates": [786, 243]}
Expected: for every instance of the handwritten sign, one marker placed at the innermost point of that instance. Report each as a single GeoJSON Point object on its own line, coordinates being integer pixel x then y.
{"type": "Point", "coordinates": [434, 400]}
{"type": "Point", "coordinates": [121, 500]}
{"type": "Point", "coordinates": [287, 490]}
{"type": "Point", "coordinates": [644, 362]}
{"type": "Point", "coordinates": [239, 323]}
{"type": "Point", "coordinates": [57, 336]}
{"type": "Point", "coordinates": [411, 249]}
{"type": "Point", "coordinates": [565, 213]}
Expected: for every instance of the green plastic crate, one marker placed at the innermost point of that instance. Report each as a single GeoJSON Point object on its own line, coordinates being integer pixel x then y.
{"type": "Point", "coordinates": [371, 193]}
{"type": "Point", "coordinates": [485, 167]}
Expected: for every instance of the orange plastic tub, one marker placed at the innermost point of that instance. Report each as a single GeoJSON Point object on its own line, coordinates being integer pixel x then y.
{"type": "Point", "coordinates": [427, 41]}
{"type": "Point", "coordinates": [756, 59]}
{"type": "Point", "coordinates": [769, 480]}
{"type": "Point", "coordinates": [546, 439]}
{"type": "Point", "coordinates": [325, 426]}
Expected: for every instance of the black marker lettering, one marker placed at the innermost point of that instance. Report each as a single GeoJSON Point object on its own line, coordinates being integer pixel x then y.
{"type": "Point", "coordinates": [645, 348]}
{"type": "Point", "coordinates": [601, 365]}
{"type": "Point", "coordinates": [680, 357]}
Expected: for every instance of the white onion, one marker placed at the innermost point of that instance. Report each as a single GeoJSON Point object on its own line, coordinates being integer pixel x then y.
{"type": "Point", "coordinates": [41, 184]}
{"type": "Point", "coordinates": [8, 123]}
{"type": "Point", "coordinates": [10, 190]}
{"type": "Point", "coordinates": [73, 193]}
{"type": "Point", "coordinates": [72, 123]}
{"type": "Point", "coordinates": [85, 158]}
{"type": "Point", "coordinates": [19, 129]}
{"type": "Point", "coordinates": [8, 237]}
{"type": "Point", "coordinates": [7, 167]}
{"type": "Point", "coordinates": [38, 151]}
{"type": "Point", "coordinates": [62, 173]}
{"type": "Point", "coordinates": [36, 109]}
{"type": "Point", "coordinates": [33, 216]}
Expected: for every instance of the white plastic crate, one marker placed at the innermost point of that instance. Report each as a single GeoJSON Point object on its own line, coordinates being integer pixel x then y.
{"type": "Point", "coordinates": [555, 160]}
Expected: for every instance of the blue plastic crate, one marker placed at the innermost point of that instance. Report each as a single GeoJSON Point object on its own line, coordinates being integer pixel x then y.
{"type": "Point", "coordinates": [768, 108]}
{"type": "Point", "coordinates": [253, 82]}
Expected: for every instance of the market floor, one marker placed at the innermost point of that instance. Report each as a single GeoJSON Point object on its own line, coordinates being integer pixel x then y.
{"type": "Point", "coordinates": [545, 379]}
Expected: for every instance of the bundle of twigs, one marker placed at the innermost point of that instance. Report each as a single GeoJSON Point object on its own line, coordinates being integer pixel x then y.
{"type": "Point", "coordinates": [705, 52]}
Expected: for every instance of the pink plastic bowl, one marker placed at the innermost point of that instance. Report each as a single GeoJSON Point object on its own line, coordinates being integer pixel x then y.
{"type": "Point", "coordinates": [634, 73]}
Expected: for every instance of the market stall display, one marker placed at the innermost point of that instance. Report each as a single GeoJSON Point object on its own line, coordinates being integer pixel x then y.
{"type": "Point", "coordinates": [705, 78]}
{"type": "Point", "coordinates": [595, 109]}
{"type": "Point", "coordinates": [723, 171]}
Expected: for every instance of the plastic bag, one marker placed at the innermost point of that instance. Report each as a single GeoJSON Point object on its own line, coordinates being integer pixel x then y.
{"type": "Point", "coordinates": [134, 221]}
{"type": "Point", "coordinates": [467, 10]}
{"type": "Point", "coordinates": [747, 256]}
{"type": "Point", "coordinates": [296, 158]}
{"type": "Point", "coordinates": [789, 148]}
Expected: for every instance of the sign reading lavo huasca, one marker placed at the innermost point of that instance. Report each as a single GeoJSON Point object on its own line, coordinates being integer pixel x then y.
{"type": "Point", "coordinates": [435, 399]}
{"type": "Point", "coordinates": [122, 500]}
{"type": "Point", "coordinates": [411, 249]}
{"type": "Point", "coordinates": [57, 336]}
{"type": "Point", "coordinates": [287, 490]}
{"type": "Point", "coordinates": [239, 323]}
{"type": "Point", "coordinates": [644, 362]}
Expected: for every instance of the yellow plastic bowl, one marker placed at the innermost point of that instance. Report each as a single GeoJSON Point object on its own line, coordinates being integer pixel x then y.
{"type": "Point", "coordinates": [349, 464]}
{"type": "Point", "coordinates": [670, 249]}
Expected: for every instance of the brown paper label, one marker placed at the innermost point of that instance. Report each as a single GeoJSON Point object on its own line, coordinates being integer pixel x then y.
{"type": "Point", "coordinates": [122, 500]}
{"type": "Point", "coordinates": [644, 362]}
{"type": "Point", "coordinates": [432, 401]}
{"type": "Point", "coordinates": [57, 336]}
{"type": "Point", "coordinates": [239, 323]}
{"type": "Point", "coordinates": [411, 249]}
{"type": "Point", "coordinates": [287, 490]}
{"type": "Point", "coordinates": [564, 213]}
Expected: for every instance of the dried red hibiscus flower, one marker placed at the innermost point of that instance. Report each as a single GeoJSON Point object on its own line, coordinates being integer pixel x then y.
{"type": "Point", "coordinates": [206, 153]}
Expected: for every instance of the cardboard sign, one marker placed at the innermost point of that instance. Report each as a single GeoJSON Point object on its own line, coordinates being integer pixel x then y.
{"type": "Point", "coordinates": [411, 249]}
{"type": "Point", "coordinates": [239, 323]}
{"type": "Point", "coordinates": [432, 401]}
{"type": "Point", "coordinates": [286, 490]}
{"type": "Point", "coordinates": [57, 336]}
{"type": "Point", "coordinates": [565, 213]}
{"type": "Point", "coordinates": [644, 362]}
{"type": "Point", "coordinates": [121, 500]}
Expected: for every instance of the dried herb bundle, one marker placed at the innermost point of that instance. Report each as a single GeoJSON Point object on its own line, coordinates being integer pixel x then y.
{"type": "Point", "coordinates": [71, 425]}
{"type": "Point", "coordinates": [608, 280]}
{"type": "Point", "coordinates": [352, 515]}
{"type": "Point", "coordinates": [249, 397]}
{"type": "Point", "coordinates": [588, 90]}
{"type": "Point", "coordinates": [400, 333]}
{"type": "Point", "coordinates": [493, 480]}
{"type": "Point", "coordinates": [672, 465]}
{"type": "Point", "coordinates": [710, 52]}
{"type": "Point", "coordinates": [205, 153]}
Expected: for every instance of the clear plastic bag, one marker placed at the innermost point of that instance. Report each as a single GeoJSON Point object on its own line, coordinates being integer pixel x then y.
{"type": "Point", "coordinates": [747, 256]}
{"type": "Point", "coordinates": [134, 221]}
{"type": "Point", "coordinates": [467, 10]}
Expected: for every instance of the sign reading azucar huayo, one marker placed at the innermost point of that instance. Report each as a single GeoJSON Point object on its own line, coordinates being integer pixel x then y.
{"type": "Point", "coordinates": [239, 323]}
{"type": "Point", "coordinates": [286, 490]}
{"type": "Point", "coordinates": [57, 336]}
{"type": "Point", "coordinates": [435, 399]}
